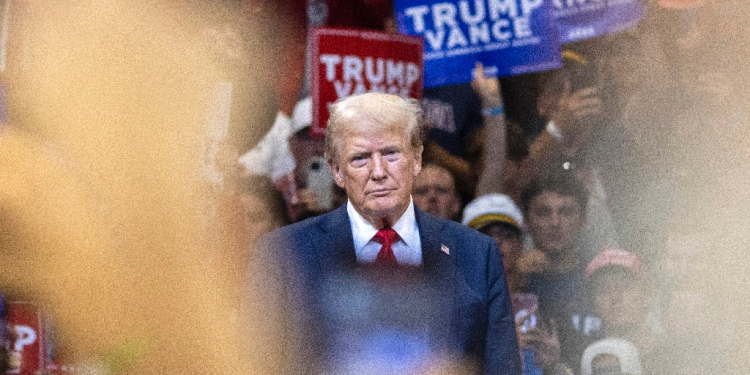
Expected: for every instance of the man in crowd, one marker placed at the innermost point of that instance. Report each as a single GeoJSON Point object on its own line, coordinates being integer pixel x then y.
{"type": "Point", "coordinates": [435, 192]}
{"type": "Point", "coordinates": [497, 216]}
{"type": "Point", "coordinates": [374, 149]}
{"type": "Point", "coordinates": [554, 209]}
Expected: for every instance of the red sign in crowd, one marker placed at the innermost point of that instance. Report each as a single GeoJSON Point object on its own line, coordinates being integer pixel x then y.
{"type": "Point", "coordinates": [345, 62]}
{"type": "Point", "coordinates": [30, 347]}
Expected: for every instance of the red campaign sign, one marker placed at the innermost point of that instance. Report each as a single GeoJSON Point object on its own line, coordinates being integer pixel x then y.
{"type": "Point", "coordinates": [29, 345]}
{"type": "Point", "coordinates": [345, 62]}
{"type": "Point", "coordinates": [27, 349]}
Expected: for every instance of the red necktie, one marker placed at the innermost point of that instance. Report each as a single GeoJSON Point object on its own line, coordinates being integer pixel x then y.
{"type": "Point", "coordinates": [386, 237]}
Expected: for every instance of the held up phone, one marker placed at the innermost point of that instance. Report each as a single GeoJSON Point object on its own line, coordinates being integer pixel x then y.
{"type": "Point", "coordinates": [320, 181]}
{"type": "Point", "coordinates": [525, 307]}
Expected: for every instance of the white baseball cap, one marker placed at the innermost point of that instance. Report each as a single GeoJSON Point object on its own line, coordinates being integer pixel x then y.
{"type": "Point", "coordinates": [491, 208]}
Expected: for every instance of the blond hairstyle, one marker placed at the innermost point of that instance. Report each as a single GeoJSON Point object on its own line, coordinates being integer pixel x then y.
{"type": "Point", "coordinates": [381, 110]}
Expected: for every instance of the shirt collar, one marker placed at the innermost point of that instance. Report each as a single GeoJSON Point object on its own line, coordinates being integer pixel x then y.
{"type": "Point", "coordinates": [363, 231]}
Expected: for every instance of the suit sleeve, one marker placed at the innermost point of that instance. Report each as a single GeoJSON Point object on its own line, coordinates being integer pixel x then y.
{"type": "Point", "coordinates": [502, 355]}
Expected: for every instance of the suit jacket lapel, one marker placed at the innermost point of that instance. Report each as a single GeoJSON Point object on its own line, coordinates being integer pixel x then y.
{"type": "Point", "coordinates": [335, 254]}
{"type": "Point", "coordinates": [336, 249]}
{"type": "Point", "coordinates": [429, 233]}
{"type": "Point", "coordinates": [440, 271]}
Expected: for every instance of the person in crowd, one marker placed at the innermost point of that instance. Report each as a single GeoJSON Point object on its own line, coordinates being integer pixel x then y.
{"type": "Point", "coordinates": [374, 149]}
{"type": "Point", "coordinates": [263, 208]}
{"type": "Point", "coordinates": [497, 216]}
{"type": "Point", "coordinates": [619, 288]}
{"type": "Point", "coordinates": [317, 193]}
{"type": "Point", "coordinates": [574, 106]}
{"type": "Point", "coordinates": [293, 159]}
{"type": "Point", "coordinates": [313, 176]}
{"type": "Point", "coordinates": [272, 156]}
{"type": "Point", "coordinates": [584, 133]}
{"type": "Point", "coordinates": [509, 164]}
{"type": "Point", "coordinates": [554, 209]}
{"type": "Point", "coordinates": [453, 119]}
{"type": "Point", "coordinates": [435, 192]}
{"type": "Point", "coordinates": [251, 207]}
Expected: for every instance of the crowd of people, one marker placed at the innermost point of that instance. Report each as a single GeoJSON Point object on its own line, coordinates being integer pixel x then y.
{"type": "Point", "coordinates": [611, 190]}
{"type": "Point", "coordinates": [585, 196]}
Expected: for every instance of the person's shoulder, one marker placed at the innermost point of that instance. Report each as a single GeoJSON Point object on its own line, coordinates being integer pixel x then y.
{"type": "Point", "coordinates": [299, 230]}
{"type": "Point", "coordinates": [454, 229]}
{"type": "Point", "coordinates": [464, 230]}
{"type": "Point", "coordinates": [305, 225]}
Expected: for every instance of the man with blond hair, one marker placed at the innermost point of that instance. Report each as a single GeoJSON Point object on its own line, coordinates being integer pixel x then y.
{"type": "Point", "coordinates": [386, 251]}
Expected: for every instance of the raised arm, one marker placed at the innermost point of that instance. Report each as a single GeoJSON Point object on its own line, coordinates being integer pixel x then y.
{"type": "Point", "coordinates": [572, 117]}
{"type": "Point", "coordinates": [493, 112]}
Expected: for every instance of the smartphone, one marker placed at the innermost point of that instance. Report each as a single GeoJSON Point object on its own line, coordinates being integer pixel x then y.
{"type": "Point", "coordinates": [525, 307]}
{"type": "Point", "coordinates": [320, 181]}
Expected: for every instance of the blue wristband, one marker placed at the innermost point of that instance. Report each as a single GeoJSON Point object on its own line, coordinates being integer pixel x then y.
{"type": "Point", "coordinates": [499, 110]}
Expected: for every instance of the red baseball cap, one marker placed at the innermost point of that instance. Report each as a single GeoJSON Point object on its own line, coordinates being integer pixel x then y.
{"type": "Point", "coordinates": [615, 257]}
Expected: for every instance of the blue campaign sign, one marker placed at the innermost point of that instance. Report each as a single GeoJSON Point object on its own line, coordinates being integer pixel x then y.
{"type": "Point", "coordinates": [583, 19]}
{"type": "Point", "coordinates": [508, 36]}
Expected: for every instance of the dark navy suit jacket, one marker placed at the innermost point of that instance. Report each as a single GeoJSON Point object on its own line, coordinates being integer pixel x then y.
{"type": "Point", "coordinates": [473, 317]}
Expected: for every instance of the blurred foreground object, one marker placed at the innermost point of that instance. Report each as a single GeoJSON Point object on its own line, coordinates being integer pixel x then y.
{"type": "Point", "coordinates": [31, 345]}
{"type": "Point", "coordinates": [102, 195]}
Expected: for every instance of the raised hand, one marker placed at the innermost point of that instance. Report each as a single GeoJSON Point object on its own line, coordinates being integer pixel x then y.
{"type": "Point", "coordinates": [488, 89]}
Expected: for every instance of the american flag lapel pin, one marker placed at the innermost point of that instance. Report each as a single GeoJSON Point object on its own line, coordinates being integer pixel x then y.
{"type": "Point", "coordinates": [445, 249]}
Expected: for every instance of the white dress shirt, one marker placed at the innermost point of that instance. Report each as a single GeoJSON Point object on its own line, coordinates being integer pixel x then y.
{"type": "Point", "coordinates": [407, 249]}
